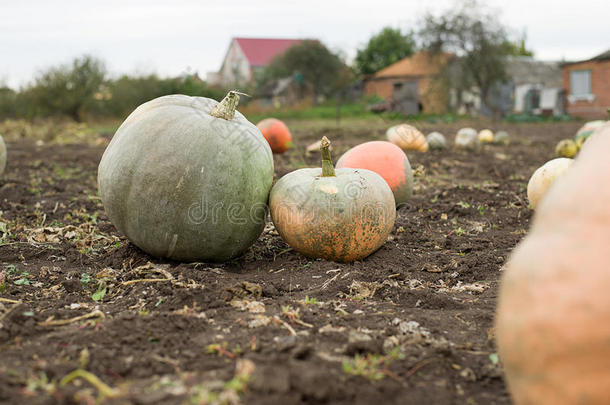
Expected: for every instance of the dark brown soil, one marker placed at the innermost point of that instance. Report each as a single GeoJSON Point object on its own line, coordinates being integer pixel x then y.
{"type": "Point", "coordinates": [411, 324]}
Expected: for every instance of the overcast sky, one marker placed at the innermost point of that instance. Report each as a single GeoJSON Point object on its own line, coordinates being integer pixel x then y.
{"type": "Point", "coordinates": [169, 37]}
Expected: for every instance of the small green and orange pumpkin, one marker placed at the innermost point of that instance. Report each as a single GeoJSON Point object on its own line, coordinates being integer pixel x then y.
{"type": "Point", "coordinates": [340, 215]}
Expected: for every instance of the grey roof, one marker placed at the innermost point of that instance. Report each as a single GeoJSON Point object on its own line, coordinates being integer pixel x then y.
{"type": "Point", "coordinates": [526, 70]}
{"type": "Point", "coordinates": [600, 57]}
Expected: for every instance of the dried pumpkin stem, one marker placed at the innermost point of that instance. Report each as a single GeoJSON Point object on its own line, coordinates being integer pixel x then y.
{"type": "Point", "coordinates": [226, 108]}
{"type": "Point", "coordinates": [328, 170]}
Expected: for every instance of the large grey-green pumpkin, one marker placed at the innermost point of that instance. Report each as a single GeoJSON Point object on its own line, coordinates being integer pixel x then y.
{"type": "Point", "coordinates": [186, 185]}
{"type": "Point", "coordinates": [2, 155]}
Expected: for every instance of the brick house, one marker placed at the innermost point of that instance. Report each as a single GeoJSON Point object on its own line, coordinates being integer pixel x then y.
{"type": "Point", "coordinates": [410, 85]}
{"type": "Point", "coordinates": [587, 85]}
{"type": "Point", "coordinates": [245, 57]}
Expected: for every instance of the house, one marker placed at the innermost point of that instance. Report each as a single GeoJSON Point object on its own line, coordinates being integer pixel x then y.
{"type": "Point", "coordinates": [587, 85]}
{"type": "Point", "coordinates": [536, 86]}
{"type": "Point", "coordinates": [246, 57]}
{"type": "Point", "coordinates": [532, 87]}
{"type": "Point", "coordinates": [412, 85]}
{"type": "Point", "coordinates": [287, 91]}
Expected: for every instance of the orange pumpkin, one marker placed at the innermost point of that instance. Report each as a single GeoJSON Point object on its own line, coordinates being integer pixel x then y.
{"type": "Point", "coordinates": [553, 320]}
{"type": "Point", "coordinates": [385, 159]}
{"type": "Point", "coordinates": [276, 133]}
{"type": "Point", "coordinates": [341, 215]}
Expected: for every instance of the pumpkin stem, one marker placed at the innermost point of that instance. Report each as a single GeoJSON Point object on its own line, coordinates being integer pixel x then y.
{"type": "Point", "coordinates": [328, 170]}
{"type": "Point", "coordinates": [226, 108]}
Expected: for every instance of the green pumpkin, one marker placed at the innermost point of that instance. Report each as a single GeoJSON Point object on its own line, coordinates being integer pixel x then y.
{"type": "Point", "coordinates": [436, 141]}
{"type": "Point", "coordinates": [501, 138]}
{"type": "Point", "coordinates": [2, 155]}
{"type": "Point", "coordinates": [183, 184]}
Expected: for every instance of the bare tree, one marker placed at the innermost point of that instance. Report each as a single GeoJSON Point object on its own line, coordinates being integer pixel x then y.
{"type": "Point", "coordinates": [478, 41]}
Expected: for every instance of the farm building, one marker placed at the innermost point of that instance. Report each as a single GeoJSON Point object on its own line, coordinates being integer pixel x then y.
{"type": "Point", "coordinates": [536, 86]}
{"type": "Point", "coordinates": [245, 57]}
{"type": "Point", "coordinates": [532, 87]}
{"type": "Point", "coordinates": [587, 84]}
{"type": "Point", "coordinates": [412, 85]}
{"type": "Point", "coordinates": [282, 92]}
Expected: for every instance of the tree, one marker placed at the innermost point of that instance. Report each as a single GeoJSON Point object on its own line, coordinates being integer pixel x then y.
{"type": "Point", "coordinates": [67, 89]}
{"type": "Point", "coordinates": [388, 46]}
{"type": "Point", "coordinates": [313, 65]}
{"type": "Point", "coordinates": [8, 99]}
{"type": "Point", "coordinates": [128, 92]}
{"type": "Point", "coordinates": [516, 48]}
{"type": "Point", "coordinates": [477, 39]}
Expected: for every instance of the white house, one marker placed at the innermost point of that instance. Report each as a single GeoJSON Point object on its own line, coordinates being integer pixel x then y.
{"type": "Point", "coordinates": [245, 57]}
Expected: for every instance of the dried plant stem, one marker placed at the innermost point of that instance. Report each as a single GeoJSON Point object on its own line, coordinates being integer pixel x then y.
{"type": "Point", "coordinates": [95, 314]}
{"type": "Point", "coordinates": [284, 324]}
{"type": "Point", "coordinates": [104, 389]}
{"type": "Point", "coordinates": [145, 280]}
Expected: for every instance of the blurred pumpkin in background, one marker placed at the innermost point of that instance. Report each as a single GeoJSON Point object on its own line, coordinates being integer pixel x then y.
{"type": "Point", "coordinates": [407, 137]}
{"type": "Point", "coordinates": [436, 141]}
{"type": "Point", "coordinates": [544, 177]}
{"type": "Point", "coordinates": [467, 138]}
{"type": "Point", "coordinates": [501, 138]}
{"type": "Point", "coordinates": [566, 148]}
{"type": "Point", "coordinates": [485, 136]}
{"type": "Point", "coordinates": [276, 133]}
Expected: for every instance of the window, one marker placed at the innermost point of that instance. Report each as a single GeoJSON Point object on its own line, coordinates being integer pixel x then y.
{"type": "Point", "coordinates": [580, 83]}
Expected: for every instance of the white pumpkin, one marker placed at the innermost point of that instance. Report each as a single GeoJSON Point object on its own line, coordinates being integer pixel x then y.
{"type": "Point", "coordinates": [467, 138]}
{"type": "Point", "coordinates": [436, 140]}
{"type": "Point", "coordinates": [544, 177]}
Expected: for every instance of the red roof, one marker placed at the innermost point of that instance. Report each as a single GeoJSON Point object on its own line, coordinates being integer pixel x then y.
{"type": "Point", "coordinates": [260, 51]}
